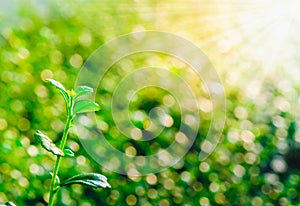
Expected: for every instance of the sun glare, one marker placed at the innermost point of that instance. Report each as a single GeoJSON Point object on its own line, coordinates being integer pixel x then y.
{"type": "Point", "coordinates": [260, 40]}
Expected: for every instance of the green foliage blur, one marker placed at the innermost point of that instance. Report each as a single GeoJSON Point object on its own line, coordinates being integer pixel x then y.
{"type": "Point", "coordinates": [256, 163]}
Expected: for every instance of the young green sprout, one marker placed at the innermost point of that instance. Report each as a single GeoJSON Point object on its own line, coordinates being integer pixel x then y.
{"type": "Point", "coordinates": [73, 107]}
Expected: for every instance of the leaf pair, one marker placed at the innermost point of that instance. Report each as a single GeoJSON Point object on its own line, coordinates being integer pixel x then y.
{"type": "Point", "coordinates": [47, 144]}
{"type": "Point", "coordinates": [81, 106]}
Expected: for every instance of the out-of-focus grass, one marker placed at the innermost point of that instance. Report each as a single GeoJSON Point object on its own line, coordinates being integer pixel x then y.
{"type": "Point", "coordinates": [255, 164]}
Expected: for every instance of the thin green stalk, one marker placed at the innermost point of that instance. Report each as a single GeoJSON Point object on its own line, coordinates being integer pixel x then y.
{"type": "Point", "coordinates": [58, 160]}
{"type": "Point", "coordinates": [91, 179]}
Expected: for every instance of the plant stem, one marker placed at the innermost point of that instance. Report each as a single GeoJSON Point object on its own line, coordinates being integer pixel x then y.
{"type": "Point", "coordinates": [57, 163]}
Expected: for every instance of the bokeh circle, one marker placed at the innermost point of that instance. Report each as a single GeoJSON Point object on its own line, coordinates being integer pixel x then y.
{"type": "Point", "coordinates": [92, 73]}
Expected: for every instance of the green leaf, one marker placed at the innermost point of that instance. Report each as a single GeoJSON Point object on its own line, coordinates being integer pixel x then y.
{"type": "Point", "coordinates": [69, 153]}
{"type": "Point", "coordinates": [9, 204]}
{"type": "Point", "coordinates": [57, 180]}
{"type": "Point", "coordinates": [61, 89]}
{"type": "Point", "coordinates": [92, 179]}
{"type": "Point", "coordinates": [83, 90]}
{"type": "Point", "coordinates": [47, 143]}
{"type": "Point", "coordinates": [85, 106]}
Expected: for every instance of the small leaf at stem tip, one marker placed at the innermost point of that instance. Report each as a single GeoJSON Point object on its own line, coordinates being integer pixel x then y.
{"type": "Point", "coordinates": [69, 153]}
{"type": "Point", "coordinates": [83, 90]}
{"type": "Point", "coordinates": [92, 179]}
{"type": "Point", "coordinates": [61, 89]}
{"type": "Point", "coordinates": [71, 93]}
{"type": "Point", "coordinates": [86, 105]}
{"type": "Point", "coordinates": [47, 143]}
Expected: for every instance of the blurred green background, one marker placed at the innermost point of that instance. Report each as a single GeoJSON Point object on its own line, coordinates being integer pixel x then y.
{"type": "Point", "coordinates": [255, 52]}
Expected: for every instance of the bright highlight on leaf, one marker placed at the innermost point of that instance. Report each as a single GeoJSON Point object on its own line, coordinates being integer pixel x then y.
{"type": "Point", "coordinates": [92, 179]}
{"type": "Point", "coordinates": [47, 143]}
{"type": "Point", "coordinates": [61, 89]}
{"type": "Point", "coordinates": [8, 204]}
{"type": "Point", "coordinates": [83, 90]}
{"type": "Point", "coordinates": [85, 106]}
{"type": "Point", "coordinates": [57, 180]}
